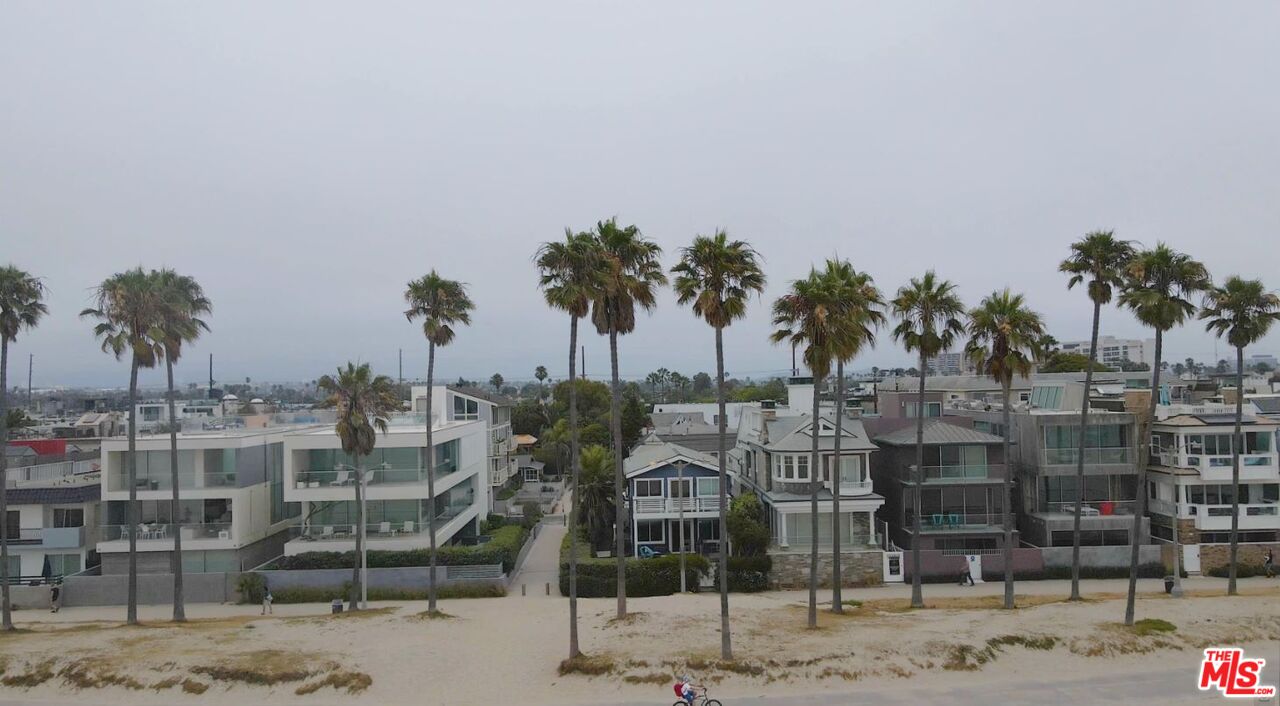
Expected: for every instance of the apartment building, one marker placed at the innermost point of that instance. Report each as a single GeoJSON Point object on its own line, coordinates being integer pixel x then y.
{"type": "Point", "coordinates": [462, 404]}
{"type": "Point", "coordinates": [321, 477]}
{"type": "Point", "coordinates": [1190, 478]}
{"type": "Point", "coordinates": [1112, 351]}
{"type": "Point", "coordinates": [52, 518]}
{"type": "Point", "coordinates": [233, 514]}
{"type": "Point", "coordinates": [154, 414]}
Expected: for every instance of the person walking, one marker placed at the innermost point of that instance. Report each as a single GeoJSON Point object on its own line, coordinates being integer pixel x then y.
{"type": "Point", "coordinates": [55, 596]}
{"type": "Point", "coordinates": [1269, 564]}
{"type": "Point", "coordinates": [267, 600]}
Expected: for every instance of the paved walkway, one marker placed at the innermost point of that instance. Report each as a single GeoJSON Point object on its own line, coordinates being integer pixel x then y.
{"type": "Point", "coordinates": [542, 565]}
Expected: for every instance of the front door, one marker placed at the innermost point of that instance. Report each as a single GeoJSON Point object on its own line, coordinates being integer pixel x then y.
{"type": "Point", "coordinates": [1191, 558]}
{"type": "Point", "coordinates": [673, 535]}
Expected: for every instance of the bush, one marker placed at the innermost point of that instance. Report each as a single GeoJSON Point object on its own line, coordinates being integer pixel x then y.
{"type": "Point", "coordinates": [749, 574]}
{"type": "Point", "coordinates": [660, 576]}
{"type": "Point", "coordinates": [327, 595]}
{"type": "Point", "coordinates": [502, 548]}
{"type": "Point", "coordinates": [748, 528]}
{"type": "Point", "coordinates": [492, 522]}
{"type": "Point", "coordinates": [530, 514]}
{"type": "Point", "coordinates": [251, 588]}
{"type": "Point", "coordinates": [1145, 571]}
{"type": "Point", "coordinates": [1243, 571]}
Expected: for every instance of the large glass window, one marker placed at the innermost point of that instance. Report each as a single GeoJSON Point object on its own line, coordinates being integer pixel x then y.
{"type": "Point", "coordinates": [648, 488]}
{"type": "Point", "coordinates": [63, 564]}
{"type": "Point", "coordinates": [708, 487]}
{"type": "Point", "coordinates": [650, 531]}
{"type": "Point", "coordinates": [68, 517]}
{"type": "Point", "coordinates": [465, 409]}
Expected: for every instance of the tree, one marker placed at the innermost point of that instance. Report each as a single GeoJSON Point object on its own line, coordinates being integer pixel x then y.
{"type": "Point", "coordinates": [364, 403]}
{"type": "Point", "coordinates": [1129, 366]}
{"type": "Point", "coordinates": [442, 304]}
{"type": "Point", "coordinates": [1004, 340]}
{"type": "Point", "coordinates": [1099, 260]}
{"type": "Point", "coordinates": [701, 384]}
{"type": "Point", "coordinates": [181, 303]}
{"type": "Point", "coordinates": [748, 525]}
{"type": "Point", "coordinates": [807, 317]}
{"type": "Point", "coordinates": [630, 276]}
{"type": "Point", "coordinates": [1262, 367]}
{"type": "Point", "coordinates": [540, 374]}
{"type": "Point", "coordinates": [1222, 367]}
{"type": "Point", "coordinates": [1242, 311]}
{"type": "Point", "coordinates": [860, 306]}
{"type": "Point", "coordinates": [680, 386]}
{"type": "Point", "coordinates": [1158, 285]}
{"type": "Point", "coordinates": [496, 381]}
{"type": "Point", "coordinates": [715, 277]}
{"type": "Point", "coordinates": [1179, 369]}
{"type": "Point", "coordinates": [126, 311]}
{"type": "Point", "coordinates": [1065, 362]}
{"type": "Point", "coordinates": [1048, 343]}
{"type": "Point", "coordinates": [594, 494]}
{"type": "Point", "coordinates": [635, 417]}
{"type": "Point", "coordinates": [528, 417]}
{"type": "Point", "coordinates": [21, 307]}
{"type": "Point", "coordinates": [928, 311]}
{"type": "Point", "coordinates": [568, 275]}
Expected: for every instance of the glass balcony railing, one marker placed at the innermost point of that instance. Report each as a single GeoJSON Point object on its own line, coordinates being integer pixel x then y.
{"type": "Point", "coordinates": [119, 481]}
{"type": "Point", "coordinates": [943, 474]}
{"type": "Point", "coordinates": [1093, 508]}
{"type": "Point", "coordinates": [341, 477]}
{"type": "Point", "coordinates": [956, 521]}
{"type": "Point", "coordinates": [1092, 457]}
{"type": "Point", "coordinates": [163, 531]}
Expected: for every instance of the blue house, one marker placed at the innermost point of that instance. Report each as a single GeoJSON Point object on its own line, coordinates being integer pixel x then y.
{"type": "Point", "coordinates": [663, 480]}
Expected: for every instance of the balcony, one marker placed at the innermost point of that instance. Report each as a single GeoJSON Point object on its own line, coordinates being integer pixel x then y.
{"type": "Point", "coordinates": [1252, 516]}
{"type": "Point", "coordinates": [1091, 508]}
{"type": "Point", "coordinates": [672, 506]}
{"type": "Point", "coordinates": [386, 476]}
{"type": "Point", "coordinates": [1107, 456]}
{"type": "Point", "coordinates": [164, 481]}
{"type": "Point", "coordinates": [48, 537]}
{"type": "Point", "coordinates": [155, 532]}
{"type": "Point", "coordinates": [956, 474]}
{"type": "Point", "coordinates": [957, 521]}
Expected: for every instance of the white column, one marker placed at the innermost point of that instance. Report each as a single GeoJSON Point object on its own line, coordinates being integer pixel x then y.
{"type": "Point", "coordinates": [782, 528]}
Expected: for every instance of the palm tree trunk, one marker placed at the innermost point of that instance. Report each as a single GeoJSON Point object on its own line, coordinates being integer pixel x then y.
{"type": "Point", "coordinates": [1084, 426]}
{"type": "Point", "coordinates": [620, 514]}
{"type": "Point", "coordinates": [837, 606]}
{"type": "Point", "coordinates": [179, 609]}
{"type": "Point", "coordinates": [726, 646]}
{"type": "Point", "coordinates": [574, 473]}
{"type": "Point", "coordinates": [813, 509]}
{"type": "Point", "coordinates": [1140, 503]}
{"type": "Point", "coordinates": [431, 483]}
{"type": "Point", "coordinates": [917, 595]}
{"type": "Point", "coordinates": [4, 483]}
{"type": "Point", "coordinates": [354, 597]}
{"type": "Point", "coordinates": [1005, 509]}
{"type": "Point", "coordinates": [1237, 443]}
{"type": "Point", "coordinates": [131, 614]}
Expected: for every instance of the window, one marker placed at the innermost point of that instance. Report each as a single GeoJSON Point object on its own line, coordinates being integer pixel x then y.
{"type": "Point", "coordinates": [788, 467]}
{"type": "Point", "coordinates": [68, 517]}
{"type": "Point", "coordinates": [15, 566]}
{"type": "Point", "coordinates": [465, 409]}
{"type": "Point", "coordinates": [681, 488]}
{"type": "Point", "coordinates": [708, 487]}
{"type": "Point", "coordinates": [931, 409]}
{"type": "Point", "coordinates": [650, 531]}
{"type": "Point", "coordinates": [63, 564]}
{"type": "Point", "coordinates": [802, 467]}
{"type": "Point", "coordinates": [648, 488]}
{"type": "Point", "coordinates": [963, 455]}
{"type": "Point", "coordinates": [1046, 397]}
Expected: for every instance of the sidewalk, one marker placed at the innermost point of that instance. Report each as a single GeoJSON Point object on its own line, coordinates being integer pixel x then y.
{"type": "Point", "coordinates": [542, 565]}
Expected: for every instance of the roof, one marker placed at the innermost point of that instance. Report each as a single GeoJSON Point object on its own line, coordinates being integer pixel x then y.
{"type": "Point", "coordinates": [938, 432]}
{"type": "Point", "coordinates": [792, 434]}
{"type": "Point", "coordinates": [706, 443]}
{"type": "Point", "coordinates": [651, 455]}
{"type": "Point", "coordinates": [57, 495]}
{"type": "Point", "coordinates": [1205, 420]}
{"type": "Point", "coordinates": [1266, 405]}
{"type": "Point", "coordinates": [491, 397]}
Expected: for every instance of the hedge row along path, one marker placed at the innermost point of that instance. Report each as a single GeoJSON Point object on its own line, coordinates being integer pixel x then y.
{"type": "Point", "coordinates": [542, 565]}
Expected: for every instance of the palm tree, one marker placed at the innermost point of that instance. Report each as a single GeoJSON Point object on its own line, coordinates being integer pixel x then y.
{"type": "Point", "coordinates": [717, 276]}
{"type": "Point", "coordinates": [856, 296]}
{"type": "Point", "coordinates": [1158, 286]}
{"type": "Point", "coordinates": [1004, 340]}
{"type": "Point", "coordinates": [629, 277]}
{"type": "Point", "coordinates": [181, 302]}
{"type": "Point", "coordinates": [364, 404]}
{"type": "Point", "coordinates": [442, 304]}
{"type": "Point", "coordinates": [1100, 258]}
{"type": "Point", "coordinates": [807, 316]}
{"type": "Point", "coordinates": [593, 495]}
{"type": "Point", "coordinates": [929, 314]}
{"type": "Point", "coordinates": [127, 312]}
{"type": "Point", "coordinates": [1243, 311]}
{"type": "Point", "coordinates": [568, 271]}
{"type": "Point", "coordinates": [21, 306]}
{"type": "Point", "coordinates": [540, 374]}
{"type": "Point", "coordinates": [496, 381]}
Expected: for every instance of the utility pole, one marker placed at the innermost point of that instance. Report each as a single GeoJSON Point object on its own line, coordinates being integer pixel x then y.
{"type": "Point", "coordinates": [402, 367]}
{"type": "Point", "coordinates": [31, 361]}
{"type": "Point", "coordinates": [584, 362]}
{"type": "Point", "coordinates": [680, 464]}
{"type": "Point", "coordinates": [210, 376]}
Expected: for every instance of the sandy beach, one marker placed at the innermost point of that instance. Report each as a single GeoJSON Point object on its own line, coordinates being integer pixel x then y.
{"type": "Point", "coordinates": [508, 650]}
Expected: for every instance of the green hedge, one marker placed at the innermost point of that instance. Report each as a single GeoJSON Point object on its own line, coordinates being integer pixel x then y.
{"type": "Point", "coordinates": [1243, 571]}
{"type": "Point", "coordinates": [502, 548]}
{"type": "Point", "coordinates": [326, 595]}
{"type": "Point", "coordinates": [1153, 570]}
{"type": "Point", "coordinates": [748, 574]}
{"type": "Point", "coordinates": [660, 576]}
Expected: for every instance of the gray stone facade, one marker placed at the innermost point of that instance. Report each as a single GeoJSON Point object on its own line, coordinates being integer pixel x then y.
{"type": "Point", "coordinates": [863, 566]}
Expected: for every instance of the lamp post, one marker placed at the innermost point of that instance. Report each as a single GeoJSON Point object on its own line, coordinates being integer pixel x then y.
{"type": "Point", "coordinates": [680, 464]}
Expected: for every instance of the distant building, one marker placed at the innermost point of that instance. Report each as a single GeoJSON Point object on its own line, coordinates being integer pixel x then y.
{"type": "Point", "coordinates": [1112, 351]}
{"type": "Point", "coordinates": [1263, 358]}
{"type": "Point", "coordinates": [950, 364]}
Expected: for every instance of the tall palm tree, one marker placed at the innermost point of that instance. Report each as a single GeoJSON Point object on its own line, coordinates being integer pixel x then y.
{"type": "Point", "coordinates": [442, 304]}
{"type": "Point", "coordinates": [630, 276]}
{"type": "Point", "coordinates": [540, 374]}
{"type": "Point", "coordinates": [862, 311]}
{"type": "Point", "coordinates": [21, 306]}
{"type": "Point", "coordinates": [717, 276]}
{"type": "Point", "coordinates": [1158, 287]}
{"type": "Point", "coordinates": [1243, 311]}
{"type": "Point", "coordinates": [364, 403]}
{"type": "Point", "coordinates": [929, 313]}
{"type": "Point", "coordinates": [1101, 259]}
{"type": "Point", "coordinates": [808, 316]}
{"type": "Point", "coordinates": [594, 493]}
{"type": "Point", "coordinates": [567, 274]}
{"type": "Point", "coordinates": [181, 303]}
{"type": "Point", "coordinates": [1004, 340]}
{"type": "Point", "coordinates": [127, 311]}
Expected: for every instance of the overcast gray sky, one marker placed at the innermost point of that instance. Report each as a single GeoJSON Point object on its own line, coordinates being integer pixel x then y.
{"type": "Point", "coordinates": [305, 160]}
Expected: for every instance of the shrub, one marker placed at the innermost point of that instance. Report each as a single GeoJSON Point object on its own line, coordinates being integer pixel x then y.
{"type": "Point", "coordinates": [502, 548]}
{"type": "Point", "coordinates": [326, 595]}
{"type": "Point", "coordinates": [530, 514]}
{"type": "Point", "coordinates": [748, 529]}
{"type": "Point", "coordinates": [1243, 571]}
{"type": "Point", "coordinates": [492, 522]}
{"type": "Point", "coordinates": [749, 574]}
{"type": "Point", "coordinates": [251, 588]}
{"type": "Point", "coordinates": [1154, 570]}
{"type": "Point", "coordinates": [660, 576]}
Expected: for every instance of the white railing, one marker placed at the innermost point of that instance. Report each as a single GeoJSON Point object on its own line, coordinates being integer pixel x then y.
{"type": "Point", "coordinates": [50, 472]}
{"type": "Point", "coordinates": [1162, 507]}
{"type": "Point", "coordinates": [651, 506]}
{"type": "Point", "coordinates": [1252, 516]}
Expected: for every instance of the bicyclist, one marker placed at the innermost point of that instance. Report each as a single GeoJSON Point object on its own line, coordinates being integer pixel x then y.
{"type": "Point", "coordinates": [686, 690]}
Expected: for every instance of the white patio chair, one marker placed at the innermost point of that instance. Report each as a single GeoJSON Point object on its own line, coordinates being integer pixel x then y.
{"type": "Point", "coordinates": [344, 478]}
{"type": "Point", "coordinates": [408, 527]}
{"type": "Point", "coordinates": [384, 528]}
{"type": "Point", "coordinates": [326, 532]}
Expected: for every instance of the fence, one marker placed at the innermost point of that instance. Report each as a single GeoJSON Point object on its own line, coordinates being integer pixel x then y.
{"type": "Point", "coordinates": [407, 578]}
{"type": "Point", "coordinates": [935, 562]}
{"type": "Point", "coordinates": [87, 589]}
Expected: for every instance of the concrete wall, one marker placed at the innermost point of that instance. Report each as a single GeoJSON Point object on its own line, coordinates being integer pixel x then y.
{"type": "Point", "coordinates": [1103, 557]}
{"type": "Point", "coordinates": [935, 563]}
{"type": "Point", "coordinates": [1219, 555]}
{"type": "Point", "coordinates": [29, 597]}
{"type": "Point", "coordinates": [153, 589]}
{"type": "Point", "coordinates": [861, 568]}
{"type": "Point", "coordinates": [410, 578]}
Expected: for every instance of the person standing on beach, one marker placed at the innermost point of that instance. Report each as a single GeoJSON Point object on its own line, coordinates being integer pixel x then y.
{"type": "Point", "coordinates": [267, 600]}
{"type": "Point", "coordinates": [55, 597]}
{"type": "Point", "coordinates": [1269, 564]}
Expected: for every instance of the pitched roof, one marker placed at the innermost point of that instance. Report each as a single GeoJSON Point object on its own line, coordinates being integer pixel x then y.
{"type": "Point", "coordinates": [492, 397]}
{"type": "Point", "coordinates": [56, 495]}
{"type": "Point", "coordinates": [651, 455]}
{"type": "Point", "coordinates": [938, 432]}
{"type": "Point", "coordinates": [853, 436]}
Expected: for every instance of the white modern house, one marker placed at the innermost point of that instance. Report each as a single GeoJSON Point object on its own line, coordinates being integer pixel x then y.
{"type": "Point", "coordinates": [1190, 478]}
{"type": "Point", "coordinates": [463, 404]}
{"type": "Point", "coordinates": [52, 520]}
{"type": "Point", "coordinates": [322, 478]}
{"type": "Point", "coordinates": [233, 514]}
{"type": "Point", "coordinates": [152, 414]}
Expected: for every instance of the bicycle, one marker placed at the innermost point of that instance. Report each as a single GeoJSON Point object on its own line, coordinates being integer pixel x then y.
{"type": "Point", "coordinates": [699, 699]}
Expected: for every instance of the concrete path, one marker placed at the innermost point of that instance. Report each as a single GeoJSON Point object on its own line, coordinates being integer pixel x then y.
{"type": "Point", "coordinates": [542, 565]}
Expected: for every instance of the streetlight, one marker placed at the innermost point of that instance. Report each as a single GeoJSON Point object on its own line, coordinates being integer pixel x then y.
{"type": "Point", "coordinates": [680, 464]}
